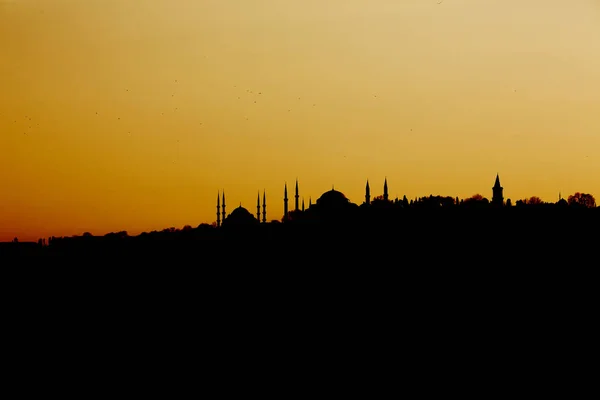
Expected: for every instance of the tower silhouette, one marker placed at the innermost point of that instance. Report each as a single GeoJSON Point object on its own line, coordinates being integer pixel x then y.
{"type": "Point", "coordinates": [303, 204]}
{"type": "Point", "coordinates": [285, 201]}
{"type": "Point", "coordinates": [264, 207]}
{"type": "Point", "coordinates": [223, 207]}
{"type": "Point", "coordinates": [367, 194]}
{"type": "Point", "coordinates": [296, 196]}
{"type": "Point", "coordinates": [218, 209]}
{"type": "Point", "coordinates": [385, 190]}
{"type": "Point", "coordinates": [497, 190]}
{"type": "Point", "coordinates": [258, 206]}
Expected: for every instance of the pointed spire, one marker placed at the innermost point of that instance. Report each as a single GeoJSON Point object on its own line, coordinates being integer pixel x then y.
{"type": "Point", "coordinates": [285, 201]}
{"type": "Point", "coordinates": [367, 194]}
{"type": "Point", "coordinates": [258, 206]}
{"type": "Point", "coordinates": [223, 206]}
{"type": "Point", "coordinates": [497, 192]}
{"type": "Point", "coordinates": [309, 201]}
{"type": "Point", "coordinates": [296, 196]}
{"type": "Point", "coordinates": [264, 219]}
{"type": "Point", "coordinates": [385, 190]}
{"type": "Point", "coordinates": [303, 204]}
{"type": "Point", "coordinates": [218, 209]}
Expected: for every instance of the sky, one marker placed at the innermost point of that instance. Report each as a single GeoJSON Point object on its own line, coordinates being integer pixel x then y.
{"type": "Point", "coordinates": [133, 114]}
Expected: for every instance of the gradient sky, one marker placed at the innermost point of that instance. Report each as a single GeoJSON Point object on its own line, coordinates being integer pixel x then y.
{"type": "Point", "coordinates": [132, 114]}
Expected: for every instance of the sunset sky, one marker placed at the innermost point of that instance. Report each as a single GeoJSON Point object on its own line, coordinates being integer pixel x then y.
{"type": "Point", "coordinates": [132, 114]}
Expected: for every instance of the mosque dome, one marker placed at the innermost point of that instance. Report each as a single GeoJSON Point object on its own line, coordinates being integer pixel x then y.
{"type": "Point", "coordinates": [333, 198]}
{"type": "Point", "coordinates": [240, 216]}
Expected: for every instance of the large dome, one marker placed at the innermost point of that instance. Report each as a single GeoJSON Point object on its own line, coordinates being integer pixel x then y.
{"type": "Point", "coordinates": [240, 216]}
{"type": "Point", "coordinates": [333, 198]}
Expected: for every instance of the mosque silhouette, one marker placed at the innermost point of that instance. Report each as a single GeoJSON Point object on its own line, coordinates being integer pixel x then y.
{"type": "Point", "coordinates": [330, 203]}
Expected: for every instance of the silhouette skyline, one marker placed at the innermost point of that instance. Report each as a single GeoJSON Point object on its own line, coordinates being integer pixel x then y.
{"type": "Point", "coordinates": [133, 118]}
{"type": "Point", "coordinates": [333, 210]}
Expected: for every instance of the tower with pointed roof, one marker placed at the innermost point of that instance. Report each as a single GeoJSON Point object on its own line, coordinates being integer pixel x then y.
{"type": "Point", "coordinates": [285, 201]}
{"type": "Point", "coordinates": [258, 206]}
{"type": "Point", "coordinates": [497, 193]}
{"type": "Point", "coordinates": [367, 194]}
{"type": "Point", "coordinates": [218, 210]}
{"type": "Point", "coordinates": [297, 196]}
{"type": "Point", "coordinates": [264, 219]}
{"type": "Point", "coordinates": [224, 214]}
{"type": "Point", "coordinates": [385, 190]}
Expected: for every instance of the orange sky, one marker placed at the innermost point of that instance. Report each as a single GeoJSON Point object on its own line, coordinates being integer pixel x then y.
{"type": "Point", "coordinates": [131, 115]}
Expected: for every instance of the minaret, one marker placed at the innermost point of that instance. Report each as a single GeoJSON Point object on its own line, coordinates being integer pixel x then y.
{"type": "Point", "coordinates": [218, 210]}
{"type": "Point", "coordinates": [303, 204]}
{"type": "Point", "coordinates": [297, 196]}
{"type": "Point", "coordinates": [285, 201]}
{"type": "Point", "coordinates": [367, 194]}
{"type": "Point", "coordinates": [309, 201]}
{"type": "Point", "coordinates": [497, 198]}
{"type": "Point", "coordinates": [258, 206]}
{"type": "Point", "coordinates": [224, 213]}
{"type": "Point", "coordinates": [385, 190]}
{"type": "Point", "coordinates": [264, 207]}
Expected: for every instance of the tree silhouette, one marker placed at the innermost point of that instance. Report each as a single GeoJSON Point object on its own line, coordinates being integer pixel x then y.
{"type": "Point", "coordinates": [582, 199]}
{"type": "Point", "coordinates": [476, 197]}
{"type": "Point", "coordinates": [534, 200]}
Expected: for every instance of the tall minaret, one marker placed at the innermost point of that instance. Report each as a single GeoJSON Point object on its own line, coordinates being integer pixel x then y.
{"type": "Point", "coordinates": [385, 190]}
{"type": "Point", "coordinates": [368, 194]}
{"type": "Point", "coordinates": [224, 213]}
{"type": "Point", "coordinates": [303, 204]}
{"type": "Point", "coordinates": [309, 201]}
{"type": "Point", "coordinates": [297, 196]}
{"type": "Point", "coordinates": [264, 207]}
{"type": "Point", "coordinates": [497, 198]}
{"type": "Point", "coordinates": [258, 206]}
{"type": "Point", "coordinates": [285, 201]}
{"type": "Point", "coordinates": [218, 209]}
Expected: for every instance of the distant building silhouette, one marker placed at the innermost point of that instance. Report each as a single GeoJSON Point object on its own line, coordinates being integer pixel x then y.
{"type": "Point", "coordinates": [336, 203]}
{"type": "Point", "coordinates": [218, 209]}
{"type": "Point", "coordinates": [497, 197]}
{"type": "Point", "coordinates": [385, 190]}
{"type": "Point", "coordinates": [264, 220]}
{"type": "Point", "coordinates": [258, 206]}
{"type": "Point", "coordinates": [297, 196]}
{"type": "Point", "coordinates": [285, 201]}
